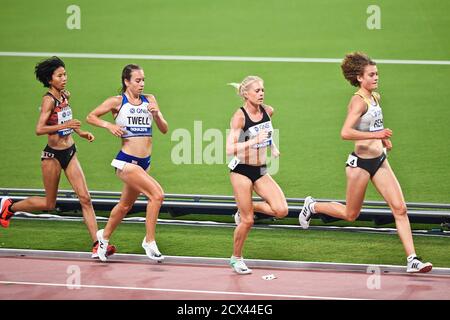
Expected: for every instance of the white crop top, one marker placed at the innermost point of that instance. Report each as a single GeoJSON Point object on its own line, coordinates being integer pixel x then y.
{"type": "Point", "coordinates": [135, 120]}
{"type": "Point", "coordinates": [372, 120]}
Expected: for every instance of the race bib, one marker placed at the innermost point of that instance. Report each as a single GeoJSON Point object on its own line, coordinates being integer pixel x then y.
{"type": "Point", "coordinates": [255, 130]}
{"type": "Point", "coordinates": [63, 116]}
{"type": "Point", "coordinates": [140, 130]}
{"type": "Point", "coordinates": [138, 122]}
{"type": "Point", "coordinates": [233, 163]}
{"type": "Point", "coordinates": [47, 155]}
{"type": "Point", "coordinates": [352, 161]}
{"type": "Point", "coordinates": [376, 124]}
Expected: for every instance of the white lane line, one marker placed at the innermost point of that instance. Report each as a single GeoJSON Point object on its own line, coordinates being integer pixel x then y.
{"type": "Point", "coordinates": [174, 290]}
{"type": "Point", "coordinates": [209, 58]}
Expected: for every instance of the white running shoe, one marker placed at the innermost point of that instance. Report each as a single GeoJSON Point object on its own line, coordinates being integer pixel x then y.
{"type": "Point", "coordinates": [151, 250]}
{"type": "Point", "coordinates": [237, 217]}
{"type": "Point", "coordinates": [415, 265]}
{"type": "Point", "coordinates": [238, 265]}
{"type": "Point", "coordinates": [305, 215]}
{"type": "Point", "coordinates": [102, 246]}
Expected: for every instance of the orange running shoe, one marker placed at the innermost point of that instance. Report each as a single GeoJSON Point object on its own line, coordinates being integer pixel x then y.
{"type": "Point", "coordinates": [5, 213]}
{"type": "Point", "coordinates": [109, 252]}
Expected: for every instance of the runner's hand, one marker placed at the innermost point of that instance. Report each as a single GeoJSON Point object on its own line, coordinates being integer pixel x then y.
{"type": "Point", "coordinates": [275, 151]}
{"type": "Point", "coordinates": [72, 124]}
{"type": "Point", "coordinates": [115, 129]}
{"type": "Point", "coordinates": [262, 135]}
{"type": "Point", "coordinates": [387, 144]}
{"type": "Point", "coordinates": [87, 135]}
{"type": "Point", "coordinates": [383, 134]}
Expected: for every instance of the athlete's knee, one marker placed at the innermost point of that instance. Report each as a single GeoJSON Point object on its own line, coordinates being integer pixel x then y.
{"type": "Point", "coordinates": [399, 209]}
{"type": "Point", "coordinates": [124, 207]}
{"type": "Point", "coordinates": [85, 200]}
{"type": "Point", "coordinates": [157, 197]}
{"type": "Point", "coordinates": [281, 211]}
{"type": "Point", "coordinates": [351, 216]}
{"type": "Point", "coordinates": [247, 220]}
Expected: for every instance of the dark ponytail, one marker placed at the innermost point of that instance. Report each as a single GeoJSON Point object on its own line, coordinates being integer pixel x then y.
{"type": "Point", "coordinates": [126, 74]}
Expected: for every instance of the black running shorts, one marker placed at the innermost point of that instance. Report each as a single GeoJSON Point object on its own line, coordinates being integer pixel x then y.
{"type": "Point", "coordinates": [63, 156]}
{"type": "Point", "coordinates": [251, 172]}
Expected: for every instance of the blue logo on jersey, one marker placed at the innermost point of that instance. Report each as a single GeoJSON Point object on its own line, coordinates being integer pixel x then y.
{"type": "Point", "coordinates": [138, 129]}
{"type": "Point", "coordinates": [65, 132]}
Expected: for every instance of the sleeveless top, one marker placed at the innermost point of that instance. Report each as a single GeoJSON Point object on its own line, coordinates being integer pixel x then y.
{"type": "Point", "coordinates": [135, 120]}
{"type": "Point", "coordinates": [61, 113]}
{"type": "Point", "coordinates": [251, 129]}
{"type": "Point", "coordinates": [372, 119]}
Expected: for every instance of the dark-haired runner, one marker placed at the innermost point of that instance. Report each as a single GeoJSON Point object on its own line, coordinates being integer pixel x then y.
{"type": "Point", "coordinates": [134, 113]}
{"type": "Point", "coordinates": [56, 122]}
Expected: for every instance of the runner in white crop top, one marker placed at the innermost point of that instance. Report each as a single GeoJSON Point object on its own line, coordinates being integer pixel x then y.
{"type": "Point", "coordinates": [135, 120]}
{"type": "Point", "coordinates": [133, 112]}
{"type": "Point", "coordinates": [368, 162]}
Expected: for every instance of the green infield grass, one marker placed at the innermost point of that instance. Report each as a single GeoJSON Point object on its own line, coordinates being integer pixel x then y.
{"type": "Point", "coordinates": [310, 101]}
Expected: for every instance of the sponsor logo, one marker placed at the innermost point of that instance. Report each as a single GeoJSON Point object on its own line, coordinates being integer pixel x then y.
{"type": "Point", "coordinates": [137, 129]}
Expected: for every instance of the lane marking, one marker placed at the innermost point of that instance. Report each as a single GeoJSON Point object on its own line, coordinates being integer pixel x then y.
{"type": "Point", "coordinates": [210, 58]}
{"type": "Point", "coordinates": [174, 290]}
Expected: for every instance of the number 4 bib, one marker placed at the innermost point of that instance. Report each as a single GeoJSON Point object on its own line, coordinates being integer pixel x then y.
{"type": "Point", "coordinates": [352, 161]}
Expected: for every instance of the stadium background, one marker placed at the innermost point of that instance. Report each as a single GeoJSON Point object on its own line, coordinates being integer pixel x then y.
{"type": "Point", "coordinates": [310, 98]}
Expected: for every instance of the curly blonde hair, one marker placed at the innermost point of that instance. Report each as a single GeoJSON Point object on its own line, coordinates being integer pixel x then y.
{"type": "Point", "coordinates": [353, 66]}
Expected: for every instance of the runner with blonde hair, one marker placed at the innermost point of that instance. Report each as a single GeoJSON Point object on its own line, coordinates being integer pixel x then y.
{"type": "Point", "coordinates": [250, 136]}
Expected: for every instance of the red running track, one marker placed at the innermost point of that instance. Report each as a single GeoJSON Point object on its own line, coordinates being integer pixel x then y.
{"type": "Point", "coordinates": [50, 278]}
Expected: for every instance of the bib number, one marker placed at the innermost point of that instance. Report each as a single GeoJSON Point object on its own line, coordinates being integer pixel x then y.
{"type": "Point", "coordinates": [352, 161]}
{"type": "Point", "coordinates": [377, 122]}
{"type": "Point", "coordinates": [63, 116]}
{"type": "Point", "coordinates": [254, 131]}
{"type": "Point", "coordinates": [233, 163]}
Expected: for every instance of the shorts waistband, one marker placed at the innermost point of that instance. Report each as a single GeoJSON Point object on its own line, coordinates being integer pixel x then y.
{"type": "Point", "coordinates": [144, 163]}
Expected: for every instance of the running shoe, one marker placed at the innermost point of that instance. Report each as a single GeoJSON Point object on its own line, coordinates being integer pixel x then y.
{"type": "Point", "coordinates": [111, 249]}
{"type": "Point", "coordinates": [5, 213]}
{"type": "Point", "coordinates": [102, 246]}
{"type": "Point", "coordinates": [237, 217]}
{"type": "Point", "coordinates": [417, 266]}
{"type": "Point", "coordinates": [305, 215]}
{"type": "Point", "coordinates": [151, 250]}
{"type": "Point", "coordinates": [238, 265]}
